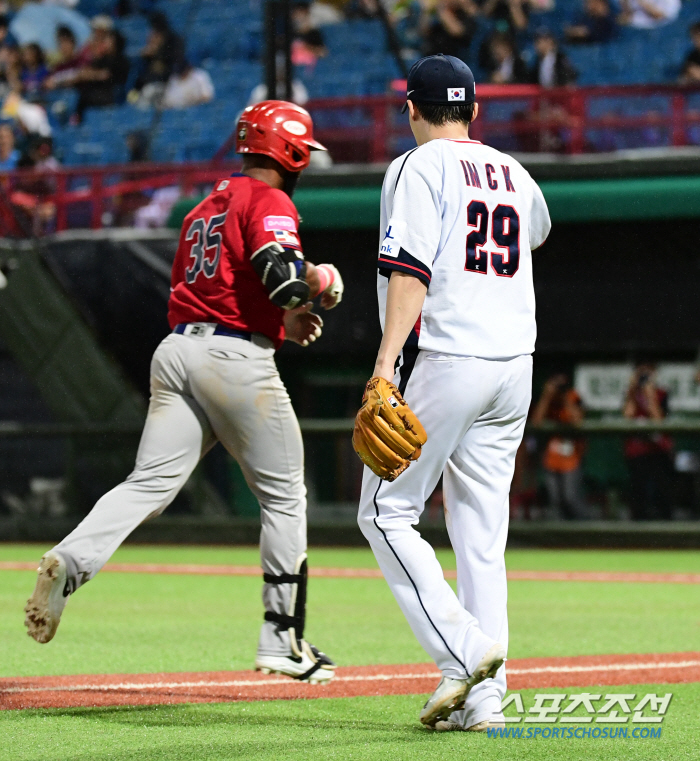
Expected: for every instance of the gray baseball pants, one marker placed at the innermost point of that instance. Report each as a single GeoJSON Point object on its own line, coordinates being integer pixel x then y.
{"type": "Point", "coordinates": [206, 389]}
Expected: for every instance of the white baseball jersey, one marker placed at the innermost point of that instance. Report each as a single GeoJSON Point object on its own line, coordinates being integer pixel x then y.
{"type": "Point", "coordinates": [464, 218]}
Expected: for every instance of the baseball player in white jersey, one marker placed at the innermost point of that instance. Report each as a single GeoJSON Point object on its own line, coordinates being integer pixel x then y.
{"type": "Point", "coordinates": [459, 221]}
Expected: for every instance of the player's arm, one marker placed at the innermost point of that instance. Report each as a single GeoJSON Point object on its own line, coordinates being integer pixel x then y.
{"type": "Point", "coordinates": [325, 279]}
{"type": "Point", "coordinates": [271, 232]}
{"type": "Point", "coordinates": [283, 273]}
{"type": "Point", "coordinates": [404, 302]}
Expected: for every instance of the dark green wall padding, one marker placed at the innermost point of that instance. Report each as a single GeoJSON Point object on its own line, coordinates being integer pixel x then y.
{"type": "Point", "coordinates": [568, 200]}
{"type": "Point", "coordinates": [57, 350]}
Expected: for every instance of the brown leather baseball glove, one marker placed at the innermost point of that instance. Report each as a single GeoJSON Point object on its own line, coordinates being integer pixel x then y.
{"type": "Point", "coordinates": [387, 433]}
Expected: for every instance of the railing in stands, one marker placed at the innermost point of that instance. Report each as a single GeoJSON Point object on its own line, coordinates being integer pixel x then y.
{"type": "Point", "coordinates": [514, 118]}
{"type": "Point", "coordinates": [33, 202]}
{"type": "Point", "coordinates": [522, 118]}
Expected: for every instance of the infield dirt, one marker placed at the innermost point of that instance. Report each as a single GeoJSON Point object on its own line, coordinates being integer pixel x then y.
{"type": "Point", "coordinates": [235, 686]}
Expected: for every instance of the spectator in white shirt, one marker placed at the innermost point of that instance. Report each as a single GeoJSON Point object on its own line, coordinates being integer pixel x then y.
{"type": "Point", "coordinates": [300, 95]}
{"type": "Point", "coordinates": [188, 86]}
{"type": "Point", "coordinates": [649, 14]}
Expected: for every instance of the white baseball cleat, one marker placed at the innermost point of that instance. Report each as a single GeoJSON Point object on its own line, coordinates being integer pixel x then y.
{"type": "Point", "coordinates": [312, 666]}
{"type": "Point", "coordinates": [483, 726]}
{"type": "Point", "coordinates": [451, 694]}
{"type": "Point", "coordinates": [43, 609]}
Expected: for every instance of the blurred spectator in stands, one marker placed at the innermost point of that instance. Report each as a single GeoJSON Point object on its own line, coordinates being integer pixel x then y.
{"type": "Point", "coordinates": [300, 95]}
{"type": "Point", "coordinates": [30, 118]}
{"type": "Point", "coordinates": [648, 14]}
{"type": "Point", "coordinates": [138, 145]}
{"type": "Point", "coordinates": [690, 73]}
{"type": "Point", "coordinates": [155, 213]}
{"type": "Point", "coordinates": [102, 25]}
{"type": "Point", "coordinates": [559, 403]}
{"type": "Point", "coordinates": [97, 70]}
{"type": "Point", "coordinates": [101, 82]}
{"type": "Point", "coordinates": [448, 27]}
{"type": "Point", "coordinates": [509, 15]}
{"type": "Point", "coordinates": [362, 9]}
{"type": "Point", "coordinates": [595, 23]}
{"type": "Point", "coordinates": [308, 45]}
{"type": "Point", "coordinates": [325, 13]}
{"type": "Point", "coordinates": [30, 192]}
{"type": "Point", "coordinates": [10, 69]}
{"type": "Point", "coordinates": [9, 155]}
{"type": "Point", "coordinates": [648, 457]}
{"type": "Point", "coordinates": [68, 58]}
{"type": "Point", "coordinates": [551, 68]}
{"type": "Point", "coordinates": [4, 29]}
{"type": "Point", "coordinates": [406, 20]}
{"type": "Point", "coordinates": [39, 154]}
{"type": "Point", "coordinates": [523, 490]}
{"type": "Point", "coordinates": [34, 70]}
{"type": "Point", "coordinates": [505, 66]}
{"type": "Point", "coordinates": [164, 51]}
{"type": "Point", "coordinates": [188, 86]}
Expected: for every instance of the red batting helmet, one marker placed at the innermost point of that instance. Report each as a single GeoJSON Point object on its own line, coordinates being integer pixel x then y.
{"type": "Point", "coordinates": [278, 129]}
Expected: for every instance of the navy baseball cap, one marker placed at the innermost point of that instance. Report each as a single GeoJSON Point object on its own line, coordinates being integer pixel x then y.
{"type": "Point", "coordinates": [440, 79]}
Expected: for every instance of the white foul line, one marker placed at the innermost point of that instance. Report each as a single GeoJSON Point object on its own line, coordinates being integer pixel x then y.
{"type": "Point", "coordinates": [134, 686]}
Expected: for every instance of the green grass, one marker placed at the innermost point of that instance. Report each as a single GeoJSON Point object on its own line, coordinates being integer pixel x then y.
{"type": "Point", "coordinates": [649, 561]}
{"type": "Point", "coordinates": [354, 728]}
{"type": "Point", "coordinates": [150, 623]}
{"type": "Point", "coordinates": [122, 623]}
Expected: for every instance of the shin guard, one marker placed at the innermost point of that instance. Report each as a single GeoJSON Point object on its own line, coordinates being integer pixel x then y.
{"type": "Point", "coordinates": [295, 618]}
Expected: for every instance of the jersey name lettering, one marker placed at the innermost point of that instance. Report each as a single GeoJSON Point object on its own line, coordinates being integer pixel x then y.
{"type": "Point", "coordinates": [506, 176]}
{"type": "Point", "coordinates": [471, 175]}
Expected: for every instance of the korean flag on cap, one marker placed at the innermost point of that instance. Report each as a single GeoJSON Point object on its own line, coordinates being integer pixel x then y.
{"type": "Point", "coordinates": [455, 93]}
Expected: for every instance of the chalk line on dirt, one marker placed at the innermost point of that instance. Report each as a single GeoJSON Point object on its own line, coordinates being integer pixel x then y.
{"type": "Point", "coordinates": [223, 686]}
{"type": "Point", "coordinates": [186, 569]}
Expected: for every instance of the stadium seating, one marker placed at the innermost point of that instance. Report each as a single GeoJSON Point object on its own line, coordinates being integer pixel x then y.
{"type": "Point", "coordinates": [225, 38]}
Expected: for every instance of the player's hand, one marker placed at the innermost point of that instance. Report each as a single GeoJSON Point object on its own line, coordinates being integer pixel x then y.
{"type": "Point", "coordinates": [301, 325]}
{"type": "Point", "coordinates": [333, 293]}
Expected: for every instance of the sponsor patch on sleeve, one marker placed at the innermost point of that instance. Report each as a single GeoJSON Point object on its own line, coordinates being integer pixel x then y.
{"type": "Point", "coordinates": [391, 244]}
{"type": "Point", "coordinates": [279, 223]}
{"type": "Point", "coordinates": [286, 238]}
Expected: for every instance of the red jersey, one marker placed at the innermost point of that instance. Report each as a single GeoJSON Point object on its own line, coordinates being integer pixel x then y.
{"type": "Point", "coordinates": [213, 279]}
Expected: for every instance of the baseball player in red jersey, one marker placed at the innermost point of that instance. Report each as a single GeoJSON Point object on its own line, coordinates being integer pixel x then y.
{"type": "Point", "coordinates": [240, 286]}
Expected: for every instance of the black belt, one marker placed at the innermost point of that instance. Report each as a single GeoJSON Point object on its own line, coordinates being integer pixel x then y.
{"type": "Point", "coordinates": [220, 330]}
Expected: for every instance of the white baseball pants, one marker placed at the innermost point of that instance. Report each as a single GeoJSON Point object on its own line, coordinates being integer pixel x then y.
{"type": "Point", "coordinates": [474, 412]}
{"type": "Point", "coordinates": [205, 389]}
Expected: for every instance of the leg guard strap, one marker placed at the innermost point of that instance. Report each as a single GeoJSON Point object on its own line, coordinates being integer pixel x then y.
{"type": "Point", "coordinates": [283, 578]}
{"type": "Point", "coordinates": [283, 621]}
{"type": "Point", "coordinates": [311, 671]}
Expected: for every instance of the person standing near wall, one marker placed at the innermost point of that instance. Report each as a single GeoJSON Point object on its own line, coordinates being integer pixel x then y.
{"type": "Point", "coordinates": [648, 457]}
{"type": "Point", "coordinates": [563, 457]}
